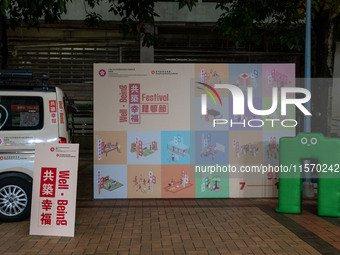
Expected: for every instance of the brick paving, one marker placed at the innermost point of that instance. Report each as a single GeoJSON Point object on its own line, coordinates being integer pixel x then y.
{"type": "Point", "coordinates": [181, 226]}
{"type": "Point", "coordinates": [325, 230]}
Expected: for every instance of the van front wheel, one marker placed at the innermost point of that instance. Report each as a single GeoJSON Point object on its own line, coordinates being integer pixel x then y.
{"type": "Point", "coordinates": [15, 199]}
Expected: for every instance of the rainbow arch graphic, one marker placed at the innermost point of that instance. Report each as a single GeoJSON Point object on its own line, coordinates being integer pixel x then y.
{"type": "Point", "coordinates": [209, 93]}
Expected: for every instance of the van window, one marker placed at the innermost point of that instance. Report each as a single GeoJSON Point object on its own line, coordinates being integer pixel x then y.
{"type": "Point", "coordinates": [21, 113]}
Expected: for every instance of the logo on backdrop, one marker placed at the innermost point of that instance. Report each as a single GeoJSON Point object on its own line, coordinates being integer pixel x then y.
{"type": "Point", "coordinates": [163, 72]}
{"type": "Point", "coordinates": [239, 103]}
{"type": "Point", "coordinates": [102, 72]}
{"type": "Point", "coordinates": [204, 96]}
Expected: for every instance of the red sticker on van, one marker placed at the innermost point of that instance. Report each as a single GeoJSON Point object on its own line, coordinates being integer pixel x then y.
{"type": "Point", "coordinates": [61, 118]}
{"type": "Point", "coordinates": [53, 105]}
{"type": "Point", "coordinates": [25, 108]}
{"type": "Point", "coordinates": [60, 104]}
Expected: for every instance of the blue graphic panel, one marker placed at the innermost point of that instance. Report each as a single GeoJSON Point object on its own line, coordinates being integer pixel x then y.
{"type": "Point", "coordinates": [176, 147]}
{"type": "Point", "coordinates": [211, 147]}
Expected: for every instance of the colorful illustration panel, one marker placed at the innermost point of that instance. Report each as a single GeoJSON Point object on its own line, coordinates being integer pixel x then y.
{"type": "Point", "coordinates": [143, 147]}
{"type": "Point", "coordinates": [176, 148]}
{"type": "Point", "coordinates": [271, 145]}
{"type": "Point", "coordinates": [110, 181]}
{"type": "Point", "coordinates": [212, 181]}
{"type": "Point", "coordinates": [277, 76]}
{"type": "Point", "coordinates": [211, 147]}
{"type": "Point", "coordinates": [110, 147]}
{"type": "Point", "coordinates": [245, 147]}
{"type": "Point", "coordinates": [178, 181]}
{"type": "Point", "coordinates": [144, 181]}
{"type": "Point", "coordinates": [246, 75]}
{"type": "Point", "coordinates": [207, 75]}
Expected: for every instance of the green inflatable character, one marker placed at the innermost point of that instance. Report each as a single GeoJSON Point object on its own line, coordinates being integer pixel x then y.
{"type": "Point", "coordinates": [307, 146]}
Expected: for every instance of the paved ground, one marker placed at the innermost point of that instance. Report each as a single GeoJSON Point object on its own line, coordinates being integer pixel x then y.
{"type": "Point", "coordinates": [180, 226]}
{"type": "Point", "coordinates": [183, 226]}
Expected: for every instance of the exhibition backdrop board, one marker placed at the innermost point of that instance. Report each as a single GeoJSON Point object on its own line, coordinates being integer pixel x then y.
{"type": "Point", "coordinates": [176, 130]}
{"type": "Point", "coordinates": [54, 189]}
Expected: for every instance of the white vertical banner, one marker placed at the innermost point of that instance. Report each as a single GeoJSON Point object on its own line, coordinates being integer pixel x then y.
{"type": "Point", "coordinates": [54, 189]}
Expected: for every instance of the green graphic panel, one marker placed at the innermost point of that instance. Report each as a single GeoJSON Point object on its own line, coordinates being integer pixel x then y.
{"type": "Point", "coordinates": [211, 184]}
{"type": "Point", "coordinates": [293, 150]}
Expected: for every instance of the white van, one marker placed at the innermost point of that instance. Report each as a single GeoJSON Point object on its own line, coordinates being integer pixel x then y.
{"type": "Point", "coordinates": [28, 116]}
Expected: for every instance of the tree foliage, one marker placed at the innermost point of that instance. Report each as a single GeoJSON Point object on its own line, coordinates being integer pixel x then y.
{"type": "Point", "coordinates": [254, 20]}
{"type": "Point", "coordinates": [135, 15]}
{"type": "Point", "coordinates": [26, 13]}
{"type": "Point", "coordinates": [280, 22]}
{"type": "Point", "coordinates": [31, 12]}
